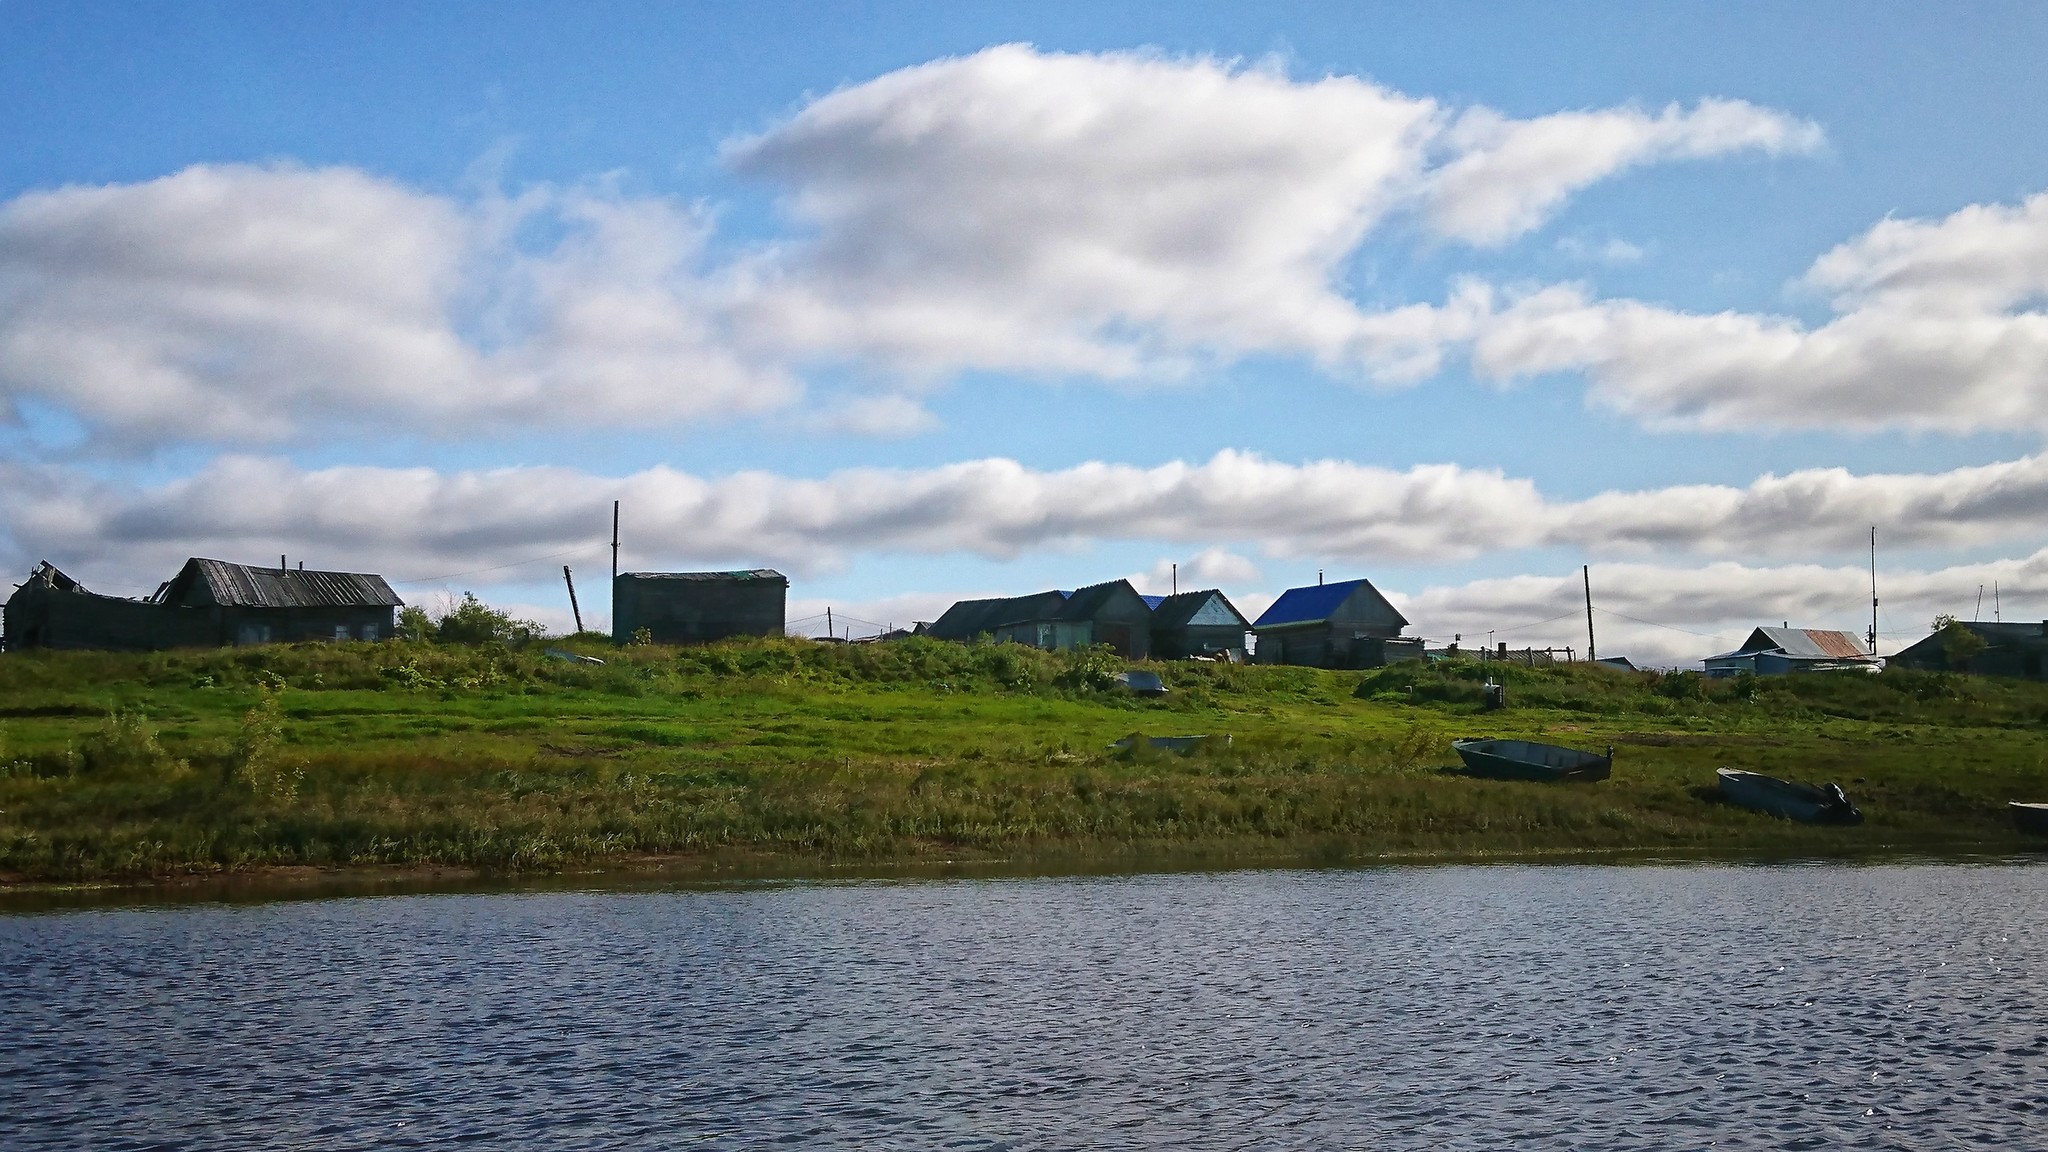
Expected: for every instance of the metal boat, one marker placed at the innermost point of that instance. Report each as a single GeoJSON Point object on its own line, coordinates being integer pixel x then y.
{"type": "Point", "coordinates": [1528, 760]}
{"type": "Point", "coordinates": [2030, 818]}
{"type": "Point", "coordinates": [1787, 800]}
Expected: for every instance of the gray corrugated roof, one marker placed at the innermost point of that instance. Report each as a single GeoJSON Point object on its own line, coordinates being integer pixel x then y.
{"type": "Point", "coordinates": [1084, 603]}
{"type": "Point", "coordinates": [747, 574]}
{"type": "Point", "coordinates": [242, 585]}
{"type": "Point", "coordinates": [1175, 611]}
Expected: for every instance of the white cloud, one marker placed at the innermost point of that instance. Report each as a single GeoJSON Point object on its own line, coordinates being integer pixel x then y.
{"type": "Point", "coordinates": [247, 304]}
{"type": "Point", "coordinates": [419, 522]}
{"type": "Point", "coordinates": [1118, 216]}
{"type": "Point", "coordinates": [1682, 614]}
{"type": "Point", "coordinates": [1509, 176]}
{"type": "Point", "coordinates": [1937, 326]}
{"type": "Point", "coordinates": [1115, 215]}
{"type": "Point", "coordinates": [1614, 253]}
{"type": "Point", "coordinates": [1210, 567]}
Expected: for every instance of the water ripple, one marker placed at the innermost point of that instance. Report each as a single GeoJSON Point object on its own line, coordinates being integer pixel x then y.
{"type": "Point", "coordinates": [1441, 1008]}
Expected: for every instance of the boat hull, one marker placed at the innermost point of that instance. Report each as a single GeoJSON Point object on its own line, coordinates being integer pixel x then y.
{"type": "Point", "coordinates": [1786, 799]}
{"type": "Point", "coordinates": [2029, 818]}
{"type": "Point", "coordinates": [1528, 760]}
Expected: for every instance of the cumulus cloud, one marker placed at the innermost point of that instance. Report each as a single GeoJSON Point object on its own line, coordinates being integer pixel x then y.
{"type": "Point", "coordinates": [1509, 176]}
{"type": "Point", "coordinates": [243, 304]}
{"type": "Point", "coordinates": [1117, 214]}
{"type": "Point", "coordinates": [1937, 326]}
{"type": "Point", "coordinates": [1114, 216]}
{"type": "Point", "coordinates": [420, 521]}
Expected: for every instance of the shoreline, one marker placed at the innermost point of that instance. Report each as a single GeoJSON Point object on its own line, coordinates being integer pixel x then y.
{"type": "Point", "coordinates": [656, 871]}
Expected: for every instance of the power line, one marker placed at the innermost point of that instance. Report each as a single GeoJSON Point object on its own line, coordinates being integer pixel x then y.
{"type": "Point", "coordinates": [1654, 624]}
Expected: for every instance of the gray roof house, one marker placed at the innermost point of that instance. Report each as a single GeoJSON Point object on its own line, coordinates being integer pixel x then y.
{"type": "Point", "coordinates": [1347, 624]}
{"type": "Point", "coordinates": [1111, 613]}
{"type": "Point", "coordinates": [1203, 623]}
{"type": "Point", "coordinates": [2016, 650]}
{"type": "Point", "coordinates": [1782, 651]}
{"type": "Point", "coordinates": [208, 603]}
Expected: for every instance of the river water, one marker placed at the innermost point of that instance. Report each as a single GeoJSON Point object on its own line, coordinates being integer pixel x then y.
{"type": "Point", "coordinates": [1697, 1006]}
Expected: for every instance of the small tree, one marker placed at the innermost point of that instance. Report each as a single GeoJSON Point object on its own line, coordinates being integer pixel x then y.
{"type": "Point", "coordinates": [1958, 642]}
{"type": "Point", "coordinates": [415, 624]}
{"type": "Point", "coordinates": [475, 622]}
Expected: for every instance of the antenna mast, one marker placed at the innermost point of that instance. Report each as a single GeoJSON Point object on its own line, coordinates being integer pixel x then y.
{"type": "Point", "coordinates": [1873, 589]}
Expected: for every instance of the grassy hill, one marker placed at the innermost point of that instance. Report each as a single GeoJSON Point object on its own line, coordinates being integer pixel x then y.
{"type": "Point", "coordinates": [127, 766]}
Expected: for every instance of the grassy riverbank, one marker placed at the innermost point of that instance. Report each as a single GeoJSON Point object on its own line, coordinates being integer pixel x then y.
{"type": "Point", "coordinates": [130, 766]}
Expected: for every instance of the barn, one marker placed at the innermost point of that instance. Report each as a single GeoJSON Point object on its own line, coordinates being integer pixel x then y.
{"type": "Point", "coordinates": [1201, 623]}
{"type": "Point", "coordinates": [698, 607]}
{"type": "Point", "coordinates": [1347, 624]}
{"type": "Point", "coordinates": [209, 603]}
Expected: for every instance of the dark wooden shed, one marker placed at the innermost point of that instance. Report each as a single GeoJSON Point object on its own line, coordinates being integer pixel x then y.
{"type": "Point", "coordinates": [1201, 623]}
{"type": "Point", "coordinates": [698, 607]}
{"type": "Point", "coordinates": [1347, 624]}
{"type": "Point", "coordinates": [2019, 650]}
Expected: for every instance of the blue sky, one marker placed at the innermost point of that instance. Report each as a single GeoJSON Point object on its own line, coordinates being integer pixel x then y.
{"type": "Point", "coordinates": [844, 289]}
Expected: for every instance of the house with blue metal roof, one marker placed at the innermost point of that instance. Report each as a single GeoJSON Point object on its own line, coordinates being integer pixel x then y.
{"type": "Point", "coordinates": [1347, 624]}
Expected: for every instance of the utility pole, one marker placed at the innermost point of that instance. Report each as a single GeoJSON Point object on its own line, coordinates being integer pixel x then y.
{"type": "Point", "coordinates": [615, 542]}
{"type": "Point", "coordinates": [571, 582]}
{"type": "Point", "coordinates": [1586, 571]}
{"type": "Point", "coordinates": [1997, 610]}
{"type": "Point", "coordinates": [1176, 579]}
{"type": "Point", "coordinates": [829, 633]}
{"type": "Point", "coordinates": [1873, 589]}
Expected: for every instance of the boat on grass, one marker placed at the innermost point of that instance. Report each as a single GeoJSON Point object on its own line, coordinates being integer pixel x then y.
{"type": "Point", "coordinates": [2030, 818]}
{"type": "Point", "coordinates": [1786, 799]}
{"type": "Point", "coordinates": [1528, 760]}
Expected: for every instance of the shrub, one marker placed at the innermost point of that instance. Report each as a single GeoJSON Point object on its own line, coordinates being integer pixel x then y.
{"type": "Point", "coordinates": [126, 742]}
{"type": "Point", "coordinates": [475, 622]}
{"type": "Point", "coordinates": [260, 761]}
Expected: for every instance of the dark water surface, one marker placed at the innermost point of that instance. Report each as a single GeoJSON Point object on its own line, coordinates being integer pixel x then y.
{"type": "Point", "coordinates": [1820, 1006]}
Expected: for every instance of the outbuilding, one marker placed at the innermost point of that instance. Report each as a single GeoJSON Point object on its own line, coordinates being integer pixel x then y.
{"type": "Point", "coordinates": [2016, 650]}
{"type": "Point", "coordinates": [1111, 613]}
{"type": "Point", "coordinates": [698, 607]}
{"type": "Point", "coordinates": [1785, 651]}
{"type": "Point", "coordinates": [1347, 624]}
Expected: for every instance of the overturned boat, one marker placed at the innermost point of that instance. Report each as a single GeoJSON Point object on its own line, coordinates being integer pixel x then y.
{"type": "Point", "coordinates": [1528, 760]}
{"type": "Point", "coordinates": [2029, 818]}
{"type": "Point", "coordinates": [1787, 800]}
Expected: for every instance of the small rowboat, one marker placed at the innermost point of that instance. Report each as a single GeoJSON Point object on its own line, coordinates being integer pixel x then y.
{"type": "Point", "coordinates": [2031, 818]}
{"type": "Point", "coordinates": [1528, 760]}
{"type": "Point", "coordinates": [1806, 803]}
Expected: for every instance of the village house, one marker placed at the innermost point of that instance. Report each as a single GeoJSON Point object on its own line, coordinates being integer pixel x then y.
{"type": "Point", "coordinates": [1111, 613]}
{"type": "Point", "coordinates": [1191, 624]}
{"type": "Point", "coordinates": [1784, 651]}
{"type": "Point", "coordinates": [698, 607]}
{"type": "Point", "coordinates": [2015, 650]}
{"type": "Point", "coordinates": [1347, 624]}
{"type": "Point", "coordinates": [209, 603]}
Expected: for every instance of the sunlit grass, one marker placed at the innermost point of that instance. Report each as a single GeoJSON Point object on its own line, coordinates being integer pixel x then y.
{"type": "Point", "coordinates": [401, 753]}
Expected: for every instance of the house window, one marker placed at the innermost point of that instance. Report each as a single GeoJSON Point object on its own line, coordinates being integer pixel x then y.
{"type": "Point", "coordinates": [369, 631]}
{"type": "Point", "coordinates": [341, 631]}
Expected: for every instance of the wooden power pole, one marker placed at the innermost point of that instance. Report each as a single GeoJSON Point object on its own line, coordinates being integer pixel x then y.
{"type": "Point", "coordinates": [1586, 571]}
{"type": "Point", "coordinates": [571, 582]}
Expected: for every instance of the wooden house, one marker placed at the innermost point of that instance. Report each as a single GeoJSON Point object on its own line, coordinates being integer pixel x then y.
{"type": "Point", "coordinates": [1201, 623]}
{"type": "Point", "coordinates": [1347, 624]}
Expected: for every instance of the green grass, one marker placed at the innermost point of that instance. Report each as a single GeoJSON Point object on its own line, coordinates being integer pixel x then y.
{"type": "Point", "coordinates": [129, 766]}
